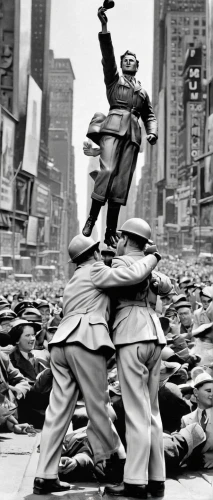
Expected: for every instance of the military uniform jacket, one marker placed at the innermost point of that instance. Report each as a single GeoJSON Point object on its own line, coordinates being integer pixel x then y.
{"type": "Point", "coordinates": [135, 320]}
{"type": "Point", "coordinates": [86, 306]}
{"type": "Point", "coordinates": [128, 101]}
{"type": "Point", "coordinates": [200, 318]}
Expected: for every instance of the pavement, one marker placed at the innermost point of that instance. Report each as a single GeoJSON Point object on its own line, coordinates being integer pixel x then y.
{"type": "Point", "coordinates": [18, 463]}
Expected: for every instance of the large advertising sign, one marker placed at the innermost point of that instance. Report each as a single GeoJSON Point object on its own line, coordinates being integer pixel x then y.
{"type": "Point", "coordinates": [40, 200]}
{"type": "Point", "coordinates": [7, 167]}
{"type": "Point", "coordinates": [32, 230]}
{"type": "Point", "coordinates": [33, 128]}
{"type": "Point", "coordinates": [183, 194]}
{"type": "Point", "coordinates": [194, 131]}
{"type": "Point", "coordinates": [193, 76]}
{"type": "Point", "coordinates": [22, 198]}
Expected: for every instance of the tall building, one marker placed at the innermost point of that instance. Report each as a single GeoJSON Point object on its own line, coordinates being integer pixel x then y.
{"type": "Point", "coordinates": [178, 25]}
{"type": "Point", "coordinates": [61, 83]}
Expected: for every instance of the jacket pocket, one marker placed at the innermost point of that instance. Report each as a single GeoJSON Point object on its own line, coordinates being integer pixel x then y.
{"type": "Point", "coordinates": [113, 122]}
{"type": "Point", "coordinates": [96, 320]}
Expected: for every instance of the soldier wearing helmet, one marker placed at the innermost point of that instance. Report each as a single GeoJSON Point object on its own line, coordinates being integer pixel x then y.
{"type": "Point", "coordinates": [138, 338]}
{"type": "Point", "coordinates": [79, 350]}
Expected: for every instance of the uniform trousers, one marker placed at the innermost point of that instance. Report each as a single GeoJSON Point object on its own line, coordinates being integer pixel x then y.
{"type": "Point", "coordinates": [138, 372]}
{"type": "Point", "coordinates": [74, 367]}
{"type": "Point", "coordinates": [118, 160]}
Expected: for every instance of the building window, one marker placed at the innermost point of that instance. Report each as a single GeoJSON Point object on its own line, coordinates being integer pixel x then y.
{"type": "Point", "coordinates": [203, 22]}
{"type": "Point", "coordinates": [186, 21]}
{"type": "Point", "coordinates": [196, 32]}
{"type": "Point", "coordinates": [203, 32]}
{"type": "Point", "coordinates": [196, 21]}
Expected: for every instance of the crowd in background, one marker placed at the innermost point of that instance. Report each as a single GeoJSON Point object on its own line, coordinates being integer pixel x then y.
{"type": "Point", "coordinates": [29, 316]}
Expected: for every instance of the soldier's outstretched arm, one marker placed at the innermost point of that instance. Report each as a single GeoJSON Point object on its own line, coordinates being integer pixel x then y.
{"type": "Point", "coordinates": [108, 57]}
{"type": "Point", "coordinates": [106, 277]}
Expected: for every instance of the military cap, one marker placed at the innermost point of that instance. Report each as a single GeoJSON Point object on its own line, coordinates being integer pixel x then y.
{"type": "Point", "coordinates": [7, 314]}
{"type": "Point", "coordinates": [184, 280]}
{"type": "Point", "coordinates": [21, 306]}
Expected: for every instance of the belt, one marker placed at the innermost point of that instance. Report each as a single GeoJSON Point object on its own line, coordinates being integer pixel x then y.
{"type": "Point", "coordinates": [127, 108]}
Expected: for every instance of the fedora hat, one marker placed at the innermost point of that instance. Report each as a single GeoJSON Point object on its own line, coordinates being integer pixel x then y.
{"type": "Point", "coordinates": [202, 378]}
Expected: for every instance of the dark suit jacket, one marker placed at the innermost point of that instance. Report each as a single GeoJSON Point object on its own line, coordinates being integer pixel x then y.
{"type": "Point", "coordinates": [130, 102]}
{"type": "Point", "coordinates": [29, 370]}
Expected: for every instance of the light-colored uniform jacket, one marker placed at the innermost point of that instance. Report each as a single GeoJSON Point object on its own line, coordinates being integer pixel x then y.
{"type": "Point", "coordinates": [200, 318]}
{"type": "Point", "coordinates": [86, 306]}
{"type": "Point", "coordinates": [135, 320]}
{"type": "Point", "coordinates": [207, 450]}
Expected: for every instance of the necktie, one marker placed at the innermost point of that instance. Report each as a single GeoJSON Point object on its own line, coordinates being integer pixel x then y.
{"type": "Point", "coordinates": [203, 420]}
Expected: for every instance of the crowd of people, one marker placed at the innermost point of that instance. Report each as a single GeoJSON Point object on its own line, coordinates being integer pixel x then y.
{"type": "Point", "coordinates": [37, 319]}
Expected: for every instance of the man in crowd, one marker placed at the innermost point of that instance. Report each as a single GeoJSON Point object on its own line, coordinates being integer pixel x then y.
{"type": "Point", "coordinates": [138, 337]}
{"type": "Point", "coordinates": [79, 351]}
{"type": "Point", "coordinates": [201, 315]}
{"type": "Point", "coordinates": [185, 314]}
{"type": "Point", "coordinates": [203, 391]}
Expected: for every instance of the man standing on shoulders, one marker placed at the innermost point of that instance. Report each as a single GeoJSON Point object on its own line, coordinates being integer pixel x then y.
{"type": "Point", "coordinates": [139, 338]}
{"type": "Point", "coordinates": [120, 134]}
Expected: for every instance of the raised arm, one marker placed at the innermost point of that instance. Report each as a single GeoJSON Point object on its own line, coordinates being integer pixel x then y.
{"type": "Point", "coordinates": [108, 58]}
{"type": "Point", "coordinates": [106, 277]}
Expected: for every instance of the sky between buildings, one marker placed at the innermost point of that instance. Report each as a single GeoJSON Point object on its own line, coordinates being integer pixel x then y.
{"type": "Point", "coordinates": [74, 35]}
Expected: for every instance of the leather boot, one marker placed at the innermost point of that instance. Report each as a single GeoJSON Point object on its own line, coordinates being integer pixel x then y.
{"type": "Point", "coordinates": [156, 488]}
{"type": "Point", "coordinates": [111, 236]}
{"type": "Point", "coordinates": [94, 213]}
{"type": "Point", "coordinates": [89, 225]}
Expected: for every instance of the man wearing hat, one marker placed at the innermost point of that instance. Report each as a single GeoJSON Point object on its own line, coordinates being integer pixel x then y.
{"type": "Point", "coordinates": [138, 337]}
{"type": "Point", "coordinates": [79, 352]}
{"type": "Point", "coordinates": [120, 134]}
{"type": "Point", "coordinates": [203, 314]}
{"type": "Point", "coordinates": [203, 336]}
{"type": "Point", "coordinates": [184, 310]}
{"type": "Point", "coordinates": [203, 391]}
{"type": "Point", "coordinates": [6, 318]}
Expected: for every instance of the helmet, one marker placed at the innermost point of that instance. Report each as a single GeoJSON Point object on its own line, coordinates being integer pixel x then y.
{"type": "Point", "coordinates": [79, 245]}
{"type": "Point", "coordinates": [7, 314]}
{"type": "Point", "coordinates": [137, 227]}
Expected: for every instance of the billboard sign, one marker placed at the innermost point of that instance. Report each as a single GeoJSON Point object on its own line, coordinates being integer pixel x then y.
{"type": "Point", "coordinates": [194, 131]}
{"type": "Point", "coordinates": [40, 200]}
{"type": "Point", "coordinates": [193, 76]}
{"type": "Point", "coordinates": [32, 230]}
{"type": "Point", "coordinates": [33, 128]}
{"type": "Point", "coordinates": [183, 194]}
{"type": "Point", "coordinates": [7, 166]}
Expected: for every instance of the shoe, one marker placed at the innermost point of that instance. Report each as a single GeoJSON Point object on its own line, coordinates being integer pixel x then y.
{"type": "Point", "coordinates": [87, 230]}
{"type": "Point", "coordinates": [111, 238]}
{"type": "Point", "coordinates": [45, 486]}
{"type": "Point", "coordinates": [156, 488]}
{"type": "Point", "coordinates": [127, 490]}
